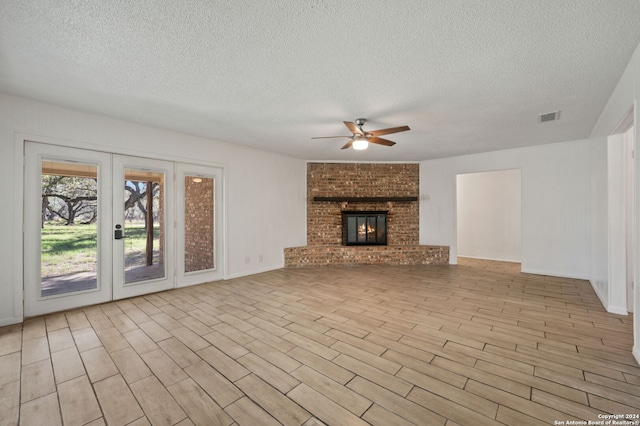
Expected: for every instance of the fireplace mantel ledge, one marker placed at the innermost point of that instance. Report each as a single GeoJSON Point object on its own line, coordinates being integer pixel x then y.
{"type": "Point", "coordinates": [365, 199]}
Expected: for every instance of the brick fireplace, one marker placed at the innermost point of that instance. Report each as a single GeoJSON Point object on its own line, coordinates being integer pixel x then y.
{"type": "Point", "coordinates": [336, 189]}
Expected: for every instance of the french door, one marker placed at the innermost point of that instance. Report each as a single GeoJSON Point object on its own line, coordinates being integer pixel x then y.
{"type": "Point", "coordinates": [101, 226]}
{"type": "Point", "coordinates": [143, 231]}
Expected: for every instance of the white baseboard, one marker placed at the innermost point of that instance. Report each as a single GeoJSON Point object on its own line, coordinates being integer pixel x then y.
{"type": "Point", "coordinates": [554, 274]}
{"type": "Point", "coordinates": [253, 272]}
{"type": "Point", "coordinates": [10, 321]}
{"type": "Point", "coordinates": [636, 353]}
{"type": "Point", "coordinates": [618, 310]}
{"type": "Point", "coordinates": [489, 258]}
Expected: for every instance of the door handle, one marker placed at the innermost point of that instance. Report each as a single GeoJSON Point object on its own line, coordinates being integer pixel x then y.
{"type": "Point", "coordinates": [118, 233]}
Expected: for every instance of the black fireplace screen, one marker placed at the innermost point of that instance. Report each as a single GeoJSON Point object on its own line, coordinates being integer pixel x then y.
{"type": "Point", "coordinates": [364, 228]}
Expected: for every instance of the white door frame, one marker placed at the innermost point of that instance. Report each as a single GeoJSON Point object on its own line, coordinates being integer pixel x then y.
{"type": "Point", "coordinates": [34, 303]}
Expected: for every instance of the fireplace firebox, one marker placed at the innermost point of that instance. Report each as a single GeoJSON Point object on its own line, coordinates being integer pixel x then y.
{"type": "Point", "coordinates": [364, 228]}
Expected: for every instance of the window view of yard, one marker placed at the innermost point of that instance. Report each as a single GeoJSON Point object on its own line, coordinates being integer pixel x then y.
{"type": "Point", "coordinates": [69, 227]}
{"type": "Point", "coordinates": [71, 249]}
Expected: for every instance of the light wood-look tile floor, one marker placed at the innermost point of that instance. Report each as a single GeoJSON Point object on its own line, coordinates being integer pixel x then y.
{"type": "Point", "coordinates": [473, 344]}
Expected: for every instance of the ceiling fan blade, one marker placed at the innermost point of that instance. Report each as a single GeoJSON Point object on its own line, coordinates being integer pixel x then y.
{"type": "Point", "coordinates": [354, 128]}
{"type": "Point", "coordinates": [330, 137]}
{"type": "Point", "coordinates": [389, 131]}
{"type": "Point", "coordinates": [381, 141]}
{"type": "Point", "coordinates": [348, 144]}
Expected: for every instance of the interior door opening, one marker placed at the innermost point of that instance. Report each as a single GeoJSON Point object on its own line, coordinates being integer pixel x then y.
{"type": "Point", "coordinates": [489, 215]}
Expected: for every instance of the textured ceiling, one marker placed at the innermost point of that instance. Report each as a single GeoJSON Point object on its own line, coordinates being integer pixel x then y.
{"type": "Point", "coordinates": [466, 75]}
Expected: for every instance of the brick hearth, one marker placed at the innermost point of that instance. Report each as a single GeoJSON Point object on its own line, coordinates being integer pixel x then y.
{"type": "Point", "coordinates": [386, 187]}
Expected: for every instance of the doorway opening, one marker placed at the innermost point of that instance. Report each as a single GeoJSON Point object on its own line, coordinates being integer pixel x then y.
{"type": "Point", "coordinates": [489, 215]}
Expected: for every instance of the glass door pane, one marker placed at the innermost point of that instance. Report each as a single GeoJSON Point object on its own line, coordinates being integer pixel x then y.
{"type": "Point", "coordinates": [199, 220]}
{"type": "Point", "coordinates": [143, 225]}
{"type": "Point", "coordinates": [69, 229]}
{"type": "Point", "coordinates": [199, 225]}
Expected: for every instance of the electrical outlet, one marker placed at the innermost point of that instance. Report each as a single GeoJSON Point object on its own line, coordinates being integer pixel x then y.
{"type": "Point", "coordinates": [260, 258]}
{"type": "Point", "coordinates": [247, 260]}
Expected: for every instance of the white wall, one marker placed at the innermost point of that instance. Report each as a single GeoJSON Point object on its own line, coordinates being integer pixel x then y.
{"type": "Point", "coordinates": [555, 203]}
{"type": "Point", "coordinates": [266, 193]}
{"type": "Point", "coordinates": [489, 215]}
{"type": "Point", "coordinates": [599, 219]}
{"type": "Point", "coordinates": [625, 96]}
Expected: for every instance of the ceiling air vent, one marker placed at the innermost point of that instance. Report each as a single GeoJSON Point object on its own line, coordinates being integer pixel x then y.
{"type": "Point", "coordinates": [550, 116]}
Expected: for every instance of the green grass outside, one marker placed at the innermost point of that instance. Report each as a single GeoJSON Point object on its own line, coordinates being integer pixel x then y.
{"type": "Point", "coordinates": [71, 249]}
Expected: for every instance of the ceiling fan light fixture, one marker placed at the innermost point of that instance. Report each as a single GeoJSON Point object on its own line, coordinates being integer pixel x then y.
{"type": "Point", "coordinates": [360, 143]}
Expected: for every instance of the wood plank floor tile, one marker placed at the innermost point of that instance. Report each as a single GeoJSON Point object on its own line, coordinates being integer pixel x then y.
{"type": "Point", "coordinates": [311, 346]}
{"type": "Point", "coordinates": [378, 362]}
{"type": "Point", "coordinates": [514, 402]}
{"type": "Point", "coordinates": [449, 409]}
{"type": "Point", "coordinates": [572, 408]}
{"type": "Point", "coordinates": [268, 372]}
{"type": "Point", "coordinates": [179, 353]}
{"type": "Point", "coordinates": [156, 402]}
{"type": "Point", "coordinates": [590, 388]}
{"type": "Point", "coordinates": [532, 381]}
{"type": "Point", "coordinates": [190, 339]}
{"type": "Point", "coordinates": [386, 380]}
{"type": "Point", "coordinates": [77, 320]}
{"type": "Point", "coordinates": [41, 411]}
{"type": "Point", "coordinates": [112, 339]}
{"type": "Point", "coordinates": [140, 341]}
{"type": "Point", "coordinates": [512, 417]}
{"type": "Point", "coordinates": [130, 365]}
{"type": "Point", "coordinates": [30, 330]}
{"type": "Point", "coordinates": [327, 410]}
{"type": "Point", "coordinates": [272, 401]}
{"type": "Point", "coordinates": [246, 412]}
{"type": "Point", "coordinates": [612, 406]}
{"type": "Point", "coordinates": [215, 384]}
{"type": "Point", "coordinates": [78, 403]}
{"type": "Point", "coordinates": [10, 343]}
{"type": "Point", "coordinates": [67, 365]}
{"type": "Point", "coordinates": [226, 345]}
{"type": "Point", "coordinates": [117, 401]}
{"type": "Point", "coordinates": [273, 356]}
{"type": "Point", "coordinates": [463, 398]}
{"type": "Point", "coordinates": [34, 350]}
{"type": "Point", "coordinates": [9, 368]}
{"type": "Point", "coordinates": [60, 339]}
{"type": "Point", "coordinates": [164, 368]}
{"type": "Point", "coordinates": [98, 364]}
{"type": "Point", "coordinates": [379, 416]}
{"type": "Point", "coordinates": [357, 342]}
{"type": "Point", "coordinates": [223, 363]}
{"type": "Point", "coordinates": [336, 392]}
{"type": "Point", "coordinates": [123, 323]}
{"type": "Point", "coordinates": [36, 380]}
{"type": "Point", "coordinates": [393, 402]}
{"type": "Point", "coordinates": [9, 403]}
{"type": "Point", "coordinates": [329, 369]}
{"type": "Point", "coordinates": [445, 375]}
{"type": "Point", "coordinates": [201, 409]}
{"type": "Point", "coordinates": [86, 339]}
{"type": "Point", "coordinates": [154, 330]}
